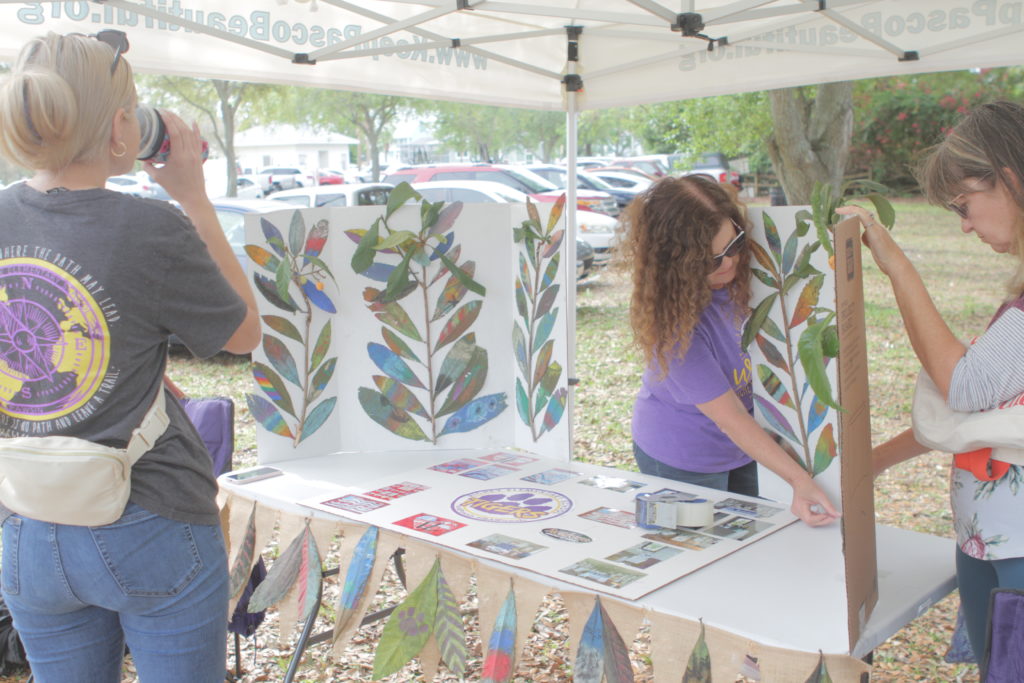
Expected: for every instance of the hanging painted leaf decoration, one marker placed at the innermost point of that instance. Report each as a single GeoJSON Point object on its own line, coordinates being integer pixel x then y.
{"type": "Point", "coordinates": [774, 386]}
{"type": "Point", "coordinates": [522, 402]}
{"type": "Point", "coordinates": [764, 277]}
{"type": "Point", "coordinates": [547, 299]}
{"type": "Point", "coordinates": [542, 361]}
{"type": "Point", "coordinates": [396, 344]}
{"type": "Point", "coordinates": [298, 565]}
{"type": "Point", "coordinates": [281, 358]}
{"type": "Point", "coordinates": [531, 211]}
{"type": "Point", "coordinates": [475, 413]}
{"type": "Point", "coordinates": [273, 236]}
{"type": "Point", "coordinates": [547, 384]}
{"type": "Point", "coordinates": [262, 257]}
{"type": "Point", "coordinates": [758, 317]}
{"type": "Point", "coordinates": [456, 362]}
{"type": "Point", "coordinates": [296, 232]}
{"type": "Point", "coordinates": [524, 276]}
{"type": "Point", "coordinates": [449, 631]}
{"type": "Point", "coordinates": [267, 415]}
{"type": "Point", "coordinates": [313, 289]}
{"type": "Point", "coordinates": [789, 253]}
{"type": "Point", "coordinates": [698, 668]}
{"type": "Point", "coordinates": [771, 233]}
{"type": "Point", "coordinates": [283, 279]}
{"type": "Point", "coordinates": [820, 673]}
{"type": "Point", "coordinates": [446, 219]}
{"type": "Point", "coordinates": [273, 386]}
{"type": "Point", "coordinates": [807, 301]}
{"type": "Point", "coordinates": [521, 305]}
{"type": "Point", "coordinates": [764, 258]}
{"type": "Point", "coordinates": [556, 212]}
{"type": "Point", "coordinates": [399, 396]}
{"type": "Point", "coordinates": [519, 348]}
{"type": "Point", "coordinates": [589, 665]}
{"type": "Point", "coordinates": [774, 418]}
{"type": "Point", "coordinates": [455, 255]}
{"type": "Point", "coordinates": [770, 328]}
{"type": "Point", "coordinates": [555, 410]}
{"type": "Point", "coordinates": [544, 327]}
{"type": "Point", "coordinates": [554, 245]}
{"type": "Point", "coordinates": [380, 272]}
{"type": "Point", "coordinates": [317, 417]}
{"type": "Point", "coordinates": [617, 667]}
{"type": "Point", "coordinates": [242, 566]}
{"type": "Point", "coordinates": [408, 627]}
{"type": "Point", "coordinates": [771, 354]}
{"type": "Point", "coordinates": [316, 240]}
{"type": "Point", "coordinates": [391, 417]}
{"type": "Point", "coordinates": [812, 359]}
{"type": "Point", "coordinates": [268, 290]}
{"type": "Point", "coordinates": [551, 272]}
{"type": "Point", "coordinates": [459, 323]}
{"type": "Point", "coordinates": [468, 384]}
{"type": "Point", "coordinates": [356, 577]}
{"type": "Point", "coordinates": [323, 343]}
{"type": "Point", "coordinates": [463, 276]}
{"type": "Point", "coordinates": [394, 315]}
{"type": "Point", "coordinates": [282, 326]}
{"type": "Point", "coordinates": [815, 414]}
{"type": "Point", "coordinates": [452, 294]}
{"type": "Point", "coordinates": [392, 365]}
{"type": "Point", "coordinates": [321, 378]}
{"type": "Point", "coordinates": [501, 648]}
{"type": "Point", "coordinates": [825, 451]}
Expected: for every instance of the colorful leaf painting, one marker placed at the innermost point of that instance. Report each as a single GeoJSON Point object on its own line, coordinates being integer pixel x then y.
{"type": "Point", "coordinates": [617, 667]}
{"type": "Point", "coordinates": [773, 385]}
{"type": "Point", "coordinates": [808, 300]}
{"type": "Point", "coordinates": [820, 673]}
{"type": "Point", "coordinates": [408, 627]}
{"type": "Point", "coordinates": [299, 566]}
{"type": "Point", "coordinates": [449, 631]}
{"type": "Point", "coordinates": [356, 578]}
{"type": "Point", "coordinates": [536, 291]}
{"type": "Point", "coordinates": [825, 451]}
{"type": "Point", "coordinates": [499, 662]}
{"type": "Point", "coordinates": [589, 665]}
{"type": "Point", "coordinates": [242, 566]}
{"type": "Point", "coordinates": [774, 418]}
{"type": "Point", "coordinates": [698, 668]}
{"type": "Point", "coordinates": [294, 279]}
{"type": "Point", "coordinates": [433, 369]}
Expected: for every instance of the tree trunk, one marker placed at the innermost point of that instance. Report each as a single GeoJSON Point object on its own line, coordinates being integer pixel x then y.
{"type": "Point", "coordinates": [811, 137]}
{"type": "Point", "coordinates": [228, 109]}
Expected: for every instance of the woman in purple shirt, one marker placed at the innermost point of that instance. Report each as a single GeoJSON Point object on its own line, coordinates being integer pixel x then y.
{"type": "Point", "coordinates": [693, 418]}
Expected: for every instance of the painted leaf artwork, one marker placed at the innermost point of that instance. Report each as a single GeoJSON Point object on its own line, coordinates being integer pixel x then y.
{"type": "Point", "coordinates": [356, 578]}
{"type": "Point", "coordinates": [540, 392]}
{"type": "Point", "coordinates": [299, 566]}
{"type": "Point", "coordinates": [242, 567]}
{"type": "Point", "coordinates": [408, 627]}
{"type": "Point", "coordinates": [449, 631]}
{"type": "Point", "coordinates": [499, 663]}
{"type": "Point", "coordinates": [431, 369]}
{"type": "Point", "coordinates": [793, 328]}
{"type": "Point", "coordinates": [698, 668]}
{"type": "Point", "coordinates": [291, 276]}
{"type": "Point", "coordinates": [602, 655]}
{"type": "Point", "coordinates": [820, 673]}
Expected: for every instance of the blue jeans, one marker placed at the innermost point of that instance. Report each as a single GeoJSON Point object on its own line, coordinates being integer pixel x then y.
{"type": "Point", "coordinates": [77, 594]}
{"type": "Point", "coordinates": [742, 480]}
{"type": "Point", "coordinates": [976, 579]}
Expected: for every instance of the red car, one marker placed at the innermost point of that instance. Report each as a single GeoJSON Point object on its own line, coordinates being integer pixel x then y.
{"type": "Point", "coordinates": [326, 176]}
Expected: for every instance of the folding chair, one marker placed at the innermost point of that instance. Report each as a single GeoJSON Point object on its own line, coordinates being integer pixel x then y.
{"type": "Point", "coordinates": [1004, 657]}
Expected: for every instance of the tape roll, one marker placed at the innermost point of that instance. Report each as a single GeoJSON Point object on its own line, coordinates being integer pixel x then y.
{"type": "Point", "coordinates": [695, 513]}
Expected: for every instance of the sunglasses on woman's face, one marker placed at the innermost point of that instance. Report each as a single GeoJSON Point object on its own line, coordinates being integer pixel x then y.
{"type": "Point", "coordinates": [731, 249]}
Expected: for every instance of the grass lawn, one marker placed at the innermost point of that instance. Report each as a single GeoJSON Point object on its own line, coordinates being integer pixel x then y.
{"type": "Point", "coordinates": [966, 281]}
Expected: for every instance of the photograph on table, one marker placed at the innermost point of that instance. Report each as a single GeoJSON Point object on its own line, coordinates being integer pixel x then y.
{"type": "Point", "coordinates": [604, 573]}
{"type": "Point", "coordinates": [600, 481]}
{"type": "Point", "coordinates": [644, 555]}
{"type": "Point", "coordinates": [510, 459]}
{"type": "Point", "coordinates": [507, 546]}
{"type": "Point", "coordinates": [488, 472]}
{"type": "Point", "coordinates": [605, 515]}
{"type": "Point", "coordinates": [430, 524]}
{"type": "Point", "coordinates": [691, 540]}
{"type": "Point", "coordinates": [398, 490]}
{"type": "Point", "coordinates": [354, 503]}
{"type": "Point", "coordinates": [456, 466]}
{"type": "Point", "coordinates": [553, 476]}
{"type": "Point", "coordinates": [745, 507]}
{"type": "Point", "coordinates": [737, 528]}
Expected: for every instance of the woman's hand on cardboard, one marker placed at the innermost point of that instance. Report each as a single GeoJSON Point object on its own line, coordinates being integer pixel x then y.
{"type": "Point", "coordinates": [811, 504]}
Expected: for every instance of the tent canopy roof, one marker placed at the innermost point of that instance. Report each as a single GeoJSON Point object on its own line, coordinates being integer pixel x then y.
{"type": "Point", "coordinates": [516, 52]}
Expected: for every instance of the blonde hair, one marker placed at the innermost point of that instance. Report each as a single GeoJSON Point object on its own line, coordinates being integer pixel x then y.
{"type": "Point", "coordinates": [987, 145]}
{"type": "Point", "coordinates": [58, 102]}
{"type": "Point", "coordinates": [667, 245]}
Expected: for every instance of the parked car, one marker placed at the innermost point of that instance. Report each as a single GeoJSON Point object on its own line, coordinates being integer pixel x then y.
{"type": "Point", "coordinates": [623, 178]}
{"type": "Point", "coordinates": [716, 165]}
{"type": "Point", "coordinates": [349, 194]}
{"type": "Point", "coordinates": [517, 178]}
{"type": "Point", "coordinates": [559, 177]}
{"type": "Point", "coordinates": [248, 188]}
{"type": "Point", "coordinates": [276, 178]}
{"type": "Point", "coordinates": [138, 185]}
{"type": "Point", "coordinates": [326, 176]}
{"type": "Point", "coordinates": [597, 230]}
{"type": "Point", "coordinates": [649, 166]}
{"type": "Point", "coordinates": [231, 213]}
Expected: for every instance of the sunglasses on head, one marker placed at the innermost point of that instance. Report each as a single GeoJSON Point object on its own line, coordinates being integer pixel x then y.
{"type": "Point", "coordinates": [731, 249]}
{"type": "Point", "coordinates": [115, 39]}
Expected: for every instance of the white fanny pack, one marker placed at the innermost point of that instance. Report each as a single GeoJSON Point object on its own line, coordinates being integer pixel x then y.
{"type": "Point", "coordinates": [67, 480]}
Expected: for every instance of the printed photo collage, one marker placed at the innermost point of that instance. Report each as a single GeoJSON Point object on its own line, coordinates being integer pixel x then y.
{"type": "Point", "coordinates": [558, 519]}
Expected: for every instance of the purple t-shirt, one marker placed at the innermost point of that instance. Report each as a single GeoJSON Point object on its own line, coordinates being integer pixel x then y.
{"type": "Point", "coordinates": [667, 425]}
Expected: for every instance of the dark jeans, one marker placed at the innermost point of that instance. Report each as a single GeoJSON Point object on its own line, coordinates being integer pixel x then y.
{"type": "Point", "coordinates": [742, 480]}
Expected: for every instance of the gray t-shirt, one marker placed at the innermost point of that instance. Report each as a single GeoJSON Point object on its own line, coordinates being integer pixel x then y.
{"type": "Point", "coordinates": [92, 283]}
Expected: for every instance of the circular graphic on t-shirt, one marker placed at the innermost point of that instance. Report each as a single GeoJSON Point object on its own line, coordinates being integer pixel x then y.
{"type": "Point", "coordinates": [512, 505]}
{"type": "Point", "coordinates": [54, 341]}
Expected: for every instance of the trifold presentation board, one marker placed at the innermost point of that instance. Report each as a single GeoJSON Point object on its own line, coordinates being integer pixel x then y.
{"type": "Point", "coordinates": [422, 327]}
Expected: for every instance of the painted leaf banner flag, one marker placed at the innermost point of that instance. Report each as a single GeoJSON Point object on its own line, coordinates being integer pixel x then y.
{"type": "Point", "coordinates": [499, 662]}
{"type": "Point", "coordinates": [356, 578]}
{"type": "Point", "coordinates": [408, 627]}
{"type": "Point", "coordinates": [602, 654]}
{"type": "Point", "coordinates": [298, 566]}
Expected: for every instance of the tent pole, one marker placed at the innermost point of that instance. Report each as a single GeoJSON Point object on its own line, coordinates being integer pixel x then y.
{"type": "Point", "coordinates": [572, 86]}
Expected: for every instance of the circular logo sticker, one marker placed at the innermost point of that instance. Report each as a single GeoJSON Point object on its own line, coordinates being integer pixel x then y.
{"type": "Point", "coordinates": [566, 535]}
{"type": "Point", "coordinates": [511, 505]}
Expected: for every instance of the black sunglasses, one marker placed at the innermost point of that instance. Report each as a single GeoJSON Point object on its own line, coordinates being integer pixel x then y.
{"type": "Point", "coordinates": [731, 249]}
{"type": "Point", "coordinates": [115, 39]}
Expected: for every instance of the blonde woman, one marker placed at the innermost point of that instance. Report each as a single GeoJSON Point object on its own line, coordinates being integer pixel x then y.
{"type": "Point", "coordinates": [92, 282]}
{"type": "Point", "coordinates": [978, 173]}
{"type": "Point", "coordinates": [693, 417]}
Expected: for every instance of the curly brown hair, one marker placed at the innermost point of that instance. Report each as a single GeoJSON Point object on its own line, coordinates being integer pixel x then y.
{"type": "Point", "coordinates": [668, 230]}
